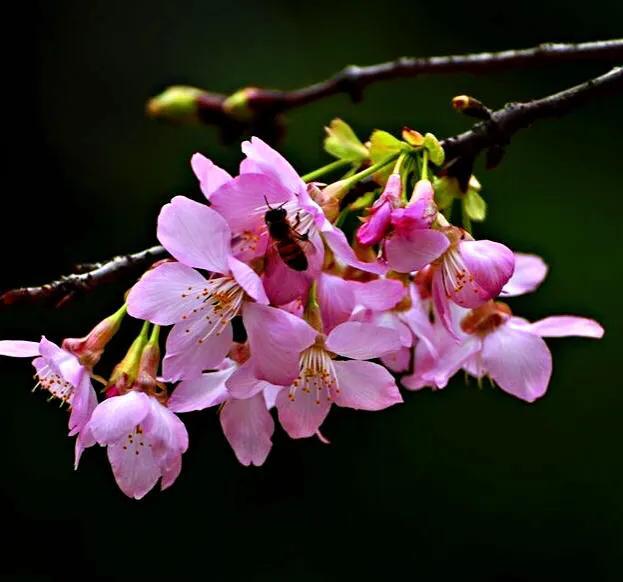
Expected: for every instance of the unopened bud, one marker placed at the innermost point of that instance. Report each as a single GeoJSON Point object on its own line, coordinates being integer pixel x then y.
{"type": "Point", "coordinates": [471, 106]}
{"type": "Point", "coordinates": [178, 103]}
{"type": "Point", "coordinates": [125, 372]}
{"type": "Point", "coordinates": [337, 190]}
{"type": "Point", "coordinates": [412, 137]}
{"type": "Point", "coordinates": [237, 105]}
{"type": "Point", "coordinates": [89, 349]}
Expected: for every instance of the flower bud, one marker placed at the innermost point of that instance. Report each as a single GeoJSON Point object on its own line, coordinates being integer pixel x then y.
{"type": "Point", "coordinates": [89, 349]}
{"type": "Point", "coordinates": [177, 103]}
{"type": "Point", "coordinates": [379, 219]}
{"type": "Point", "coordinates": [421, 211]}
{"type": "Point", "coordinates": [125, 372]}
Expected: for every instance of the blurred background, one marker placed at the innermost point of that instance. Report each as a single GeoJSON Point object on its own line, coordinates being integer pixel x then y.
{"type": "Point", "coordinates": [466, 483]}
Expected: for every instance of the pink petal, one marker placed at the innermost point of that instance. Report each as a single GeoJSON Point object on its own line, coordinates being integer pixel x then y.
{"type": "Point", "coordinates": [437, 371]}
{"type": "Point", "coordinates": [567, 325]}
{"type": "Point", "coordinates": [441, 304]}
{"type": "Point", "coordinates": [84, 440]}
{"type": "Point", "coordinates": [83, 403]}
{"type": "Point", "coordinates": [379, 294]}
{"type": "Point", "coordinates": [399, 361]}
{"type": "Point", "coordinates": [68, 366]}
{"type": "Point", "coordinates": [519, 362]}
{"type": "Point", "coordinates": [195, 234]}
{"type": "Point", "coordinates": [362, 341]}
{"type": "Point", "coordinates": [491, 264]}
{"type": "Point", "coordinates": [210, 176]}
{"type": "Point", "coordinates": [248, 279]}
{"type": "Point", "coordinates": [202, 392]}
{"type": "Point", "coordinates": [373, 230]}
{"type": "Point", "coordinates": [186, 358]}
{"type": "Point", "coordinates": [166, 294]}
{"type": "Point", "coordinates": [134, 467]}
{"type": "Point", "coordinates": [117, 416]}
{"type": "Point", "coordinates": [263, 159]}
{"type": "Point", "coordinates": [171, 472]}
{"type": "Point", "coordinates": [302, 417]}
{"type": "Point", "coordinates": [243, 383]}
{"type": "Point", "coordinates": [337, 299]}
{"type": "Point", "coordinates": [19, 348]}
{"type": "Point", "coordinates": [248, 427]}
{"type": "Point", "coordinates": [283, 284]}
{"type": "Point", "coordinates": [338, 243]}
{"type": "Point", "coordinates": [414, 250]}
{"type": "Point", "coordinates": [276, 338]}
{"type": "Point", "coordinates": [242, 201]}
{"type": "Point", "coordinates": [530, 271]}
{"type": "Point", "coordinates": [365, 386]}
{"type": "Point", "coordinates": [166, 432]}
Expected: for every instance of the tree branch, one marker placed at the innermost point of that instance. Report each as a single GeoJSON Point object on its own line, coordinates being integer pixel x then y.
{"type": "Point", "coordinates": [259, 110]}
{"type": "Point", "coordinates": [494, 132]}
{"type": "Point", "coordinates": [66, 288]}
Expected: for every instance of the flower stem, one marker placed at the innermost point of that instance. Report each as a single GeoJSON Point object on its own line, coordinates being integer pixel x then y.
{"type": "Point", "coordinates": [373, 169]}
{"type": "Point", "coordinates": [155, 335]}
{"type": "Point", "coordinates": [311, 176]}
{"type": "Point", "coordinates": [424, 174]}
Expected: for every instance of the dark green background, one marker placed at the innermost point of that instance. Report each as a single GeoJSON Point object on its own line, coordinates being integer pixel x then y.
{"type": "Point", "coordinates": [461, 484]}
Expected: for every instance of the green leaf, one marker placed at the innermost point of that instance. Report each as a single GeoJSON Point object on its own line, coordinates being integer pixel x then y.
{"type": "Point", "coordinates": [382, 145]}
{"type": "Point", "coordinates": [363, 201]}
{"type": "Point", "coordinates": [446, 190]}
{"type": "Point", "coordinates": [474, 205]}
{"type": "Point", "coordinates": [342, 143]}
{"type": "Point", "coordinates": [435, 151]}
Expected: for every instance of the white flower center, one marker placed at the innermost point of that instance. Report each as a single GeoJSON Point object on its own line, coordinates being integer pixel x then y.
{"type": "Point", "coordinates": [221, 300]}
{"type": "Point", "coordinates": [455, 274]}
{"type": "Point", "coordinates": [50, 380]}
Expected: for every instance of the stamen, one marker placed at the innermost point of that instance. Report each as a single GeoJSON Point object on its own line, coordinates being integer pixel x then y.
{"type": "Point", "coordinates": [317, 375]}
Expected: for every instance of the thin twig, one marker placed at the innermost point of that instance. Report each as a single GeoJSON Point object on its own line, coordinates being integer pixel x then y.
{"type": "Point", "coordinates": [505, 122]}
{"type": "Point", "coordinates": [259, 109]}
{"type": "Point", "coordinates": [66, 288]}
{"type": "Point", "coordinates": [495, 132]}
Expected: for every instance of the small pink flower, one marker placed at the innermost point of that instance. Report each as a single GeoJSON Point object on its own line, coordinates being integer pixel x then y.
{"type": "Point", "coordinates": [469, 273]}
{"type": "Point", "coordinates": [322, 380]}
{"type": "Point", "coordinates": [373, 230]}
{"type": "Point", "coordinates": [145, 441]}
{"type": "Point", "coordinates": [247, 424]}
{"type": "Point", "coordinates": [412, 244]}
{"type": "Point", "coordinates": [60, 373]}
{"type": "Point", "coordinates": [266, 178]}
{"type": "Point", "coordinates": [175, 293]}
{"type": "Point", "coordinates": [508, 349]}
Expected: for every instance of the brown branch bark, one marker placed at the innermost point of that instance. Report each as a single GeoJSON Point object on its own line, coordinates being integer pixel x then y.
{"type": "Point", "coordinates": [259, 110]}
{"type": "Point", "coordinates": [66, 288]}
{"type": "Point", "coordinates": [494, 132]}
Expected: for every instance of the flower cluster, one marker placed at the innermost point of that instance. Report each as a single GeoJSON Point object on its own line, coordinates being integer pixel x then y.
{"type": "Point", "coordinates": [271, 305]}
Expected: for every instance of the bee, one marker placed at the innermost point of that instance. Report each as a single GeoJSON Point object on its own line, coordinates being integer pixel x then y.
{"type": "Point", "coordinates": [287, 241]}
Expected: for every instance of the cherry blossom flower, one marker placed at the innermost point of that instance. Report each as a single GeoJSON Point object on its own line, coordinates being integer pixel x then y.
{"type": "Point", "coordinates": [530, 271]}
{"type": "Point", "coordinates": [268, 180]}
{"type": "Point", "coordinates": [145, 440]}
{"type": "Point", "coordinates": [247, 424]}
{"type": "Point", "coordinates": [508, 349]}
{"type": "Point", "coordinates": [412, 244]}
{"type": "Point", "coordinates": [175, 293]}
{"type": "Point", "coordinates": [378, 221]}
{"type": "Point", "coordinates": [469, 273]}
{"type": "Point", "coordinates": [60, 373]}
{"type": "Point", "coordinates": [322, 379]}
